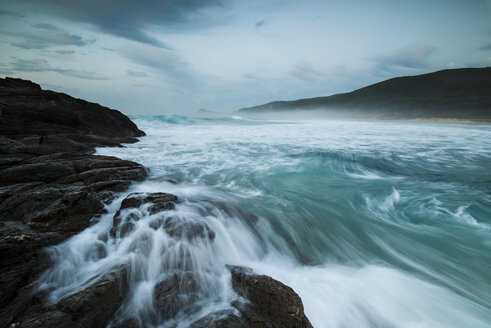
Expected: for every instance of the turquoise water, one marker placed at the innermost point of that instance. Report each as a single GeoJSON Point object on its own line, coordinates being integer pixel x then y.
{"type": "Point", "coordinates": [372, 224]}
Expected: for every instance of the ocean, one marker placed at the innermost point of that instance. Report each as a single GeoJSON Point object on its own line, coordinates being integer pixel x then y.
{"type": "Point", "coordinates": [373, 224]}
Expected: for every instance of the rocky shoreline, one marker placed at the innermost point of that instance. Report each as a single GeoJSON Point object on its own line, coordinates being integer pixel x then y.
{"type": "Point", "coordinates": [51, 186]}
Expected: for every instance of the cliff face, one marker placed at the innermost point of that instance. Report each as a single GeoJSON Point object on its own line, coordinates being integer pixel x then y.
{"type": "Point", "coordinates": [463, 94]}
{"type": "Point", "coordinates": [26, 110]}
{"type": "Point", "coordinates": [50, 183]}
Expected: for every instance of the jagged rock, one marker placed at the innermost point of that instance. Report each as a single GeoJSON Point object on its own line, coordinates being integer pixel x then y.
{"type": "Point", "coordinates": [267, 303]}
{"type": "Point", "coordinates": [92, 307]}
{"type": "Point", "coordinates": [29, 111]}
{"type": "Point", "coordinates": [221, 319]}
{"type": "Point", "coordinates": [175, 294]}
{"type": "Point", "coordinates": [128, 323]}
{"type": "Point", "coordinates": [179, 228]}
{"type": "Point", "coordinates": [50, 183]}
{"type": "Point", "coordinates": [158, 202]}
{"type": "Point", "coordinates": [21, 260]}
{"type": "Point", "coordinates": [188, 230]}
{"type": "Point", "coordinates": [272, 303]}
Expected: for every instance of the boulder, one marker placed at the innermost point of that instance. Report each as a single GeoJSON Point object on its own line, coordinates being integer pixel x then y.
{"type": "Point", "coordinates": [188, 230]}
{"type": "Point", "coordinates": [175, 294]}
{"type": "Point", "coordinates": [266, 303]}
{"type": "Point", "coordinates": [92, 307]}
{"type": "Point", "coordinates": [221, 319]}
{"type": "Point", "coordinates": [158, 202]}
{"type": "Point", "coordinates": [272, 303]}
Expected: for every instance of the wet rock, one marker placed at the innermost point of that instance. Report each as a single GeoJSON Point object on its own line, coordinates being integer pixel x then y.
{"type": "Point", "coordinates": [272, 304]}
{"type": "Point", "coordinates": [21, 260]}
{"type": "Point", "coordinates": [177, 227]}
{"type": "Point", "coordinates": [159, 202]}
{"type": "Point", "coordinates": [92, 307]}
{"type": "Point", "coordinates": [179, 257]}
{"type": "Point", "coordinates": [266, 303]}
{"type": "Point", "coordinates": [156, 223]}
{"type": "Point", "coordinates": [175, 294]}
{"type": "Point", "coordinates": [127, 323]}
{"type": "Point", "coordinates": [189, 230]}
{"type": "Point", "coordinates": [221, 319]}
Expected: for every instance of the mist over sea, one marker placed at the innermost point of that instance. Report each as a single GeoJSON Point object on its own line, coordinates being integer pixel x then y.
{"type": "Point", "coordinates": [372, 224]}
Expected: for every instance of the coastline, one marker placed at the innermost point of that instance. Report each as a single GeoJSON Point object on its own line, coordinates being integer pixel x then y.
{"type": "Point", "coordinates": [321, 116]}
{"type": "Point", "coordinates": [53, 186]}
{"type": "Point", "coordinates": [439, 121]}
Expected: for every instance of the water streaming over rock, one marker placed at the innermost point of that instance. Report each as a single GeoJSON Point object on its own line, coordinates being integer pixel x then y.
{"type": "Point", "coordinates": [372, 224]}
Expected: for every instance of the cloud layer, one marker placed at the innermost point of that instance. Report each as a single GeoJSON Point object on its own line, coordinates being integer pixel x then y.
{"type": "Point", "coordinates": [42, 65]}
{"type": "Point", "coordinates": [43, 35]}
{"type": "Point", "coordinates": [124, 18]}
{"type": "Point", "coordinates": [154, 56]}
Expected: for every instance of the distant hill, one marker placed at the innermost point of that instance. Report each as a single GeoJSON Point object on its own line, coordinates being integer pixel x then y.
{"type": "Point", "coordinates": [205, 113]}
{"type": "Point", "coordinates": [456, 94]}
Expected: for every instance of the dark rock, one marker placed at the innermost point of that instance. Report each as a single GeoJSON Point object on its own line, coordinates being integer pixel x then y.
{"type": "Point", "coordinates": [267, 303]}
{"type": "Point", "coordinates": [272, 304]}
{"type": "Point", "coordinates": [92, 307]}
{"type": "Point", "coordinates": [179, 228]}
{"type": "Point", "coordinates": [29, 111]}
{"type": "Point", "coordinates": [50, 187]}
{"type": "Point", "coordinates": [158, 202]}
{"type": "Point", "coordinates": [221, 319]}
{"type": "Point", "coordinates": [190, 230]}
{"type": "Point", "coordinates": [175, 294]}
{"type": "Point", "coordinates": [156, 223]}
{"type": "Point", "coordinates": [21, 260]}
{"type": "Point", "coordinates": [127, 323]}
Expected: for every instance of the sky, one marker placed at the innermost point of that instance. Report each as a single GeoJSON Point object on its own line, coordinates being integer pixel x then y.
{"type": "Point", "coordinates": [155, 57]}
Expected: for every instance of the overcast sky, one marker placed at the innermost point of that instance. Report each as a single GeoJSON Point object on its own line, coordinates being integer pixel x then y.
{"type": "Point", "coordinates": [177, 56]}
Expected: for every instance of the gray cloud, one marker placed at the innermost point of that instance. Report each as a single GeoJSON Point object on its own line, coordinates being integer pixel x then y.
{"type": "Point", "coordinates": [412, 57]}
{"type": "Point", "coordinates": [164, 62]}
{"type": "Point", "coordinates": [65, 52]}
{"type": "Point", "coordinates": [10, 13]}
{"type": "Point", "coordinates": [45, 26]}
{"type": "Point", "coordinates": [132, 73]}
{"type": "Point", "coordinates": [42, 65]}
{"type": "Point", "coordinates": [260, 23]}
{"type": "Point", "coordinates": [307, 73]}
{"type": "Point", "coordinates": [126, 18]}
{"type": "Point", "coordinates": [34, 65]}
{"type": "Point", "coordinates": [486, 47]}
{"type": "Point", "coordinates": [485, 62]}
{"type": "Point", "coordinates": [80, 74]}
{"type": "Point", "coordinates": [44, 35]}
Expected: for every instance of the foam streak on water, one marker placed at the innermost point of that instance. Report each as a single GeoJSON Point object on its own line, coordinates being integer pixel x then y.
{"type": "Point", "coordinates": [372, 224]}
